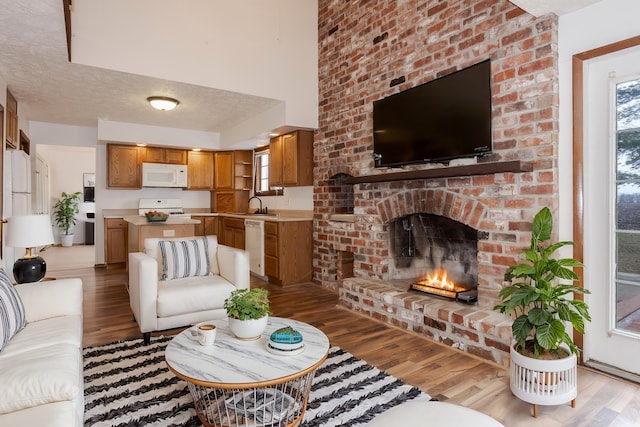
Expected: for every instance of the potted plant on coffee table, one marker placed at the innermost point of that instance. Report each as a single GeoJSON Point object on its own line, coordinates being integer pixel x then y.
{"type": "Point", "coordinates": [248, 312]}
{"type": "Point", "coordinates": [540, 296]}
{"type": "Point", "coordinates": [64, 214]}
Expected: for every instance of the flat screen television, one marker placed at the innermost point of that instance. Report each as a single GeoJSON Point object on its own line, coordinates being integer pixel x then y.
{"type": "Point", "coordinates": [441, 120]}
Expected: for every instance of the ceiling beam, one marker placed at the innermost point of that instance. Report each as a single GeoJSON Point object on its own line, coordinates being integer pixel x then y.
{"type": "Point", "coordinates": [66, 4]}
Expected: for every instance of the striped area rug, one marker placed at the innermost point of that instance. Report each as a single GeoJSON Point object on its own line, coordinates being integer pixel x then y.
{"type": "Point", "coordinates": [128, 384]}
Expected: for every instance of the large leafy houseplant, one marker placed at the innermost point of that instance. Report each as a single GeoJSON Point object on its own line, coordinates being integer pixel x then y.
{"type": "Point", "coordinates": [65, 210]}
{"type": "Point", "coordinates": [245, 304]}
{"type": "Point", "coordinates": [539, 291]}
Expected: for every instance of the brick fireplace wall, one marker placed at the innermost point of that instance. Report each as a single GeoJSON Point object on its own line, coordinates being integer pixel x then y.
{"type": "Point", "coordinates": [372, 49]}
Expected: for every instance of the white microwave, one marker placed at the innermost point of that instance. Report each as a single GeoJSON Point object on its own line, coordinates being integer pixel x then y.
{"type": "Point", "coordinates": [163, 175]}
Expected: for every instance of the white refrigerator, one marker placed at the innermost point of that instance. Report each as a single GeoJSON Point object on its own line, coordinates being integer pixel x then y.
{"type": "Point", "coordinates": [17, 181]}
{"type": "Point", "coordinates": [17, 200]}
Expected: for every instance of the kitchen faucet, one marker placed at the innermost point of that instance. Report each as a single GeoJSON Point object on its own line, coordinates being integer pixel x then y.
{"type": "Point", "coordinates": [259, 211]}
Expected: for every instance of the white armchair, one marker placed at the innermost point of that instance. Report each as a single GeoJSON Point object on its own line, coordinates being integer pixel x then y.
{"type": "Point", "coordinates": [160, 304]}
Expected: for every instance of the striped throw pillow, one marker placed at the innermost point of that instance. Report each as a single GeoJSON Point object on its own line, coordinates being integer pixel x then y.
{"type": "Point", "coordinates": [12, 314]}
{"type": "Point", "coordinates": [184, 258]}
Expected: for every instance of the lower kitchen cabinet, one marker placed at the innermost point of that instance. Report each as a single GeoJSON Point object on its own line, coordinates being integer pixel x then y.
{"type": "Point", "coordinates": [116, 238]}
{"type": "Point", "coordinates": [139, 233]}
{"type": "Point", "coordinates": [208, 225]}
{"type": "Point", "coordinates": [232, 233]}
{"type": "Point", "coordinates": [288, 251]}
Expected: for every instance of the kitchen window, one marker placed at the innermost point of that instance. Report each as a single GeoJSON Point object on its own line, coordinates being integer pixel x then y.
{"type": "Point", "coordinates": [261, 175]}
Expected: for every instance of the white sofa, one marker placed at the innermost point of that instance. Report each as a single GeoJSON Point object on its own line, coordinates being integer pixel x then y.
{"type": "Point", "coordinates": [421, 411]}
{"type": "Point", "coordinates": [41, 380]}
{"type": "Point", "coordinates": [159, 304]}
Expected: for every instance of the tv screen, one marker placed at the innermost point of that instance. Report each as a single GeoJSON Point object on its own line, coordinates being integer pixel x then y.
{"type": "Point", "coordinates": [444, 119]}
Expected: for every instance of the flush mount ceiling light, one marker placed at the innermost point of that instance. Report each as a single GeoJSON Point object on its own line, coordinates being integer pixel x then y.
{"type": "Point", "coordinates": [162, 103]}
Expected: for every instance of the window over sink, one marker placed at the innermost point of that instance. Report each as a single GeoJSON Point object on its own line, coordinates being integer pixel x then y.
{"type": "Point", "coordinates": [261, 173]}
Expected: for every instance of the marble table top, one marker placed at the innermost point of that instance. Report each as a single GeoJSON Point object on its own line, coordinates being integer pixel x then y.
{"type": "Point", "coordinates": [231, 361]}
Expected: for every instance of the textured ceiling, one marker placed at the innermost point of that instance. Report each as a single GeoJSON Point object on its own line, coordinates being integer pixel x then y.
{"type": "Point", "coordinates": [33, 63]}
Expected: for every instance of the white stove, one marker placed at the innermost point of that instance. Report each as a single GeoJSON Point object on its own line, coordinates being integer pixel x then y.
{"type": "Point", "coordinates": [173, 207]}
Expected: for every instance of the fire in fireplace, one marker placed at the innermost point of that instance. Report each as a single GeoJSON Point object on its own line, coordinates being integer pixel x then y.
{"type": "Point", "coordinates": [437, 283]}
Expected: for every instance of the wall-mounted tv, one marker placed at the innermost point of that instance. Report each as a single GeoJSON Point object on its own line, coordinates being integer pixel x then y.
{"type": "Point", "coordinates": [441, 120]}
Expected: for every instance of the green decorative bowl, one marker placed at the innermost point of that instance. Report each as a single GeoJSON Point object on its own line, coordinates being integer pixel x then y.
{"type": "Point", "coordinates": [286, 339]}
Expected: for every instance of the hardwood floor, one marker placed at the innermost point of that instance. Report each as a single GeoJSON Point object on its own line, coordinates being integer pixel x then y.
{"type": "Point", "coordinates": [444, 373]}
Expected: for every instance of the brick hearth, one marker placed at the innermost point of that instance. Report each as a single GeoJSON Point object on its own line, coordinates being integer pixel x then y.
{"type": "Point", "coordinates": [484, 333]}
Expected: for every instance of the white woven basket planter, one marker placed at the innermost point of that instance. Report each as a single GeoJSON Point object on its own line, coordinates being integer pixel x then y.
{"type": "Point", "coordinates": [544, 382]}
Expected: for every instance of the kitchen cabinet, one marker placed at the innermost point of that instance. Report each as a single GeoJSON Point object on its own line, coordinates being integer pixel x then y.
{"type": "Point", "coordinates": [165, 155]}
{"type": "Point", "coordinates": [243, 170]}
{"type": "Point", "coordinates": [116, 238]}
{"type": "Point", "coordinates": [223, 170]}
{"type": "Point", "coordinates": [139, 230]}
{"type": "Point", "coordinates": [12, 122]}
{"type": "Point", "coordinates": [233, 174]}
{"type": "Point", "coordinates": [291, 159]}
{"type": "Point", "coordinates": [230, 201]}
{"type": "Point", "coordinates": [288, 251]}
{"type": "Point", "coordinates": [208, 225]}
{"type": "Point", "coordinates": [200, 170]}
{"type": "Point", "coordinates": [233, 170]}
{"type": "Point", "coordinates": [123, 167]}
{"type": "Point", "coordinates": [232, 232]}
{"type": "Point", "coordinates": [25, 143]}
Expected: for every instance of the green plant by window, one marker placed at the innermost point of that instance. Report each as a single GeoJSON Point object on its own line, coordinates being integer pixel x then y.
{"type": "Point", "coordinates": [247, 304]}
{"type": "Point", "coordinates": [65, 211]}
{"type": "Point", "coordinates": [538, 291]}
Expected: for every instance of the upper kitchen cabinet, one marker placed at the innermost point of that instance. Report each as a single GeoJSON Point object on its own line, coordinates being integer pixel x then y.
{"type": "Point", "coordinates": [233, 170]}
{"type": "Point", "coordinates": [291, 159]}
{"type": "Point", "coordinates": [200, 170]}
{"type": "Point", "coordinates": [223, 170]}
{"type": "Point", "coordinates": [165, 155]}
{"type": "Point", "coordinates": [243, 170]}
{"type": "Point", "coordinates": [123, 166]}
{"type": "Point", "coordinates": [233, 174]}
{"type": "Point", "coordinates": [12, 121]}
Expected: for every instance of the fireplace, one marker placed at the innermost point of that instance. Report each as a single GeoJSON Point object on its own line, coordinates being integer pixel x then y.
{"type": "Point", "coordinates": [436, 254]}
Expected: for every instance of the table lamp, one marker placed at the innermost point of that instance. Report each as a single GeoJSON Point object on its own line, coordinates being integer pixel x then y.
{"type": "Point", "coordinates": [29, 231]}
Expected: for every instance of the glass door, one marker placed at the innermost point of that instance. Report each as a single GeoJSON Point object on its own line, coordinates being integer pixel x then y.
{"type": "Point", "coordinates": [612, 212]}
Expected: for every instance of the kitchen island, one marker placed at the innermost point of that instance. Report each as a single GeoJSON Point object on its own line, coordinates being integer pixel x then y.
{"type": "Point", "coordinates": [175, 226]}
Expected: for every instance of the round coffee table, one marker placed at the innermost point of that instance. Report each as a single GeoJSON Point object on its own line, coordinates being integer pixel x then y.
{"type": "Point", "coordinates": [241, 383]}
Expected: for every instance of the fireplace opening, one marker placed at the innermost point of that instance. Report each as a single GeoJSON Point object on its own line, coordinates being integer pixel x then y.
{"type": "Point", "coordinates": [424, 245]}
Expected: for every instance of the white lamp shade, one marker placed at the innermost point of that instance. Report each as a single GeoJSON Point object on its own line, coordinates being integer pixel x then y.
{"type": "Point", "coordinates": [29, 231]}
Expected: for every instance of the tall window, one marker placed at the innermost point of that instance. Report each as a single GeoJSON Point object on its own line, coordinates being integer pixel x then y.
{"type": "Point", "coordinates": [627, 202]}
{"type": "Point", "coordinates": [261, 161]}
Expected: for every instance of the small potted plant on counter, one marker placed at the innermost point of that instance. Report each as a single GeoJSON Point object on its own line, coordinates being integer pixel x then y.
{"type": "Point", "coordinates": [64, 214]}
{"type": "Point", "coordinates": [543, 355]}
{"type": "Point", "coordinates": [248, 312]}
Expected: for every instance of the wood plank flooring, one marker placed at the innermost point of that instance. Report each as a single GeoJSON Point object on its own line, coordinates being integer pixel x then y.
{"type": "Point", "coordinates": [444, 373]}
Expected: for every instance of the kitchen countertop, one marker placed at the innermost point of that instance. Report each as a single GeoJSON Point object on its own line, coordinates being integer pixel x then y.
{"type": "Point", "coordinates": [278, 216]}
{"type": "Point", "coordinates": [270, 217]}
{"type": "Point", "coordinates": [172, 220]}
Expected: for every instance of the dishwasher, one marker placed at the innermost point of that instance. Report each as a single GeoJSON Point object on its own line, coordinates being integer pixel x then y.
{"type": "Point", "coordinates": [254, 245]}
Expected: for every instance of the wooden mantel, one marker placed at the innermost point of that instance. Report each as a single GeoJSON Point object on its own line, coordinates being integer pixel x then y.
{"type": "Point", "coordinates": [515, 166]}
